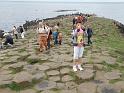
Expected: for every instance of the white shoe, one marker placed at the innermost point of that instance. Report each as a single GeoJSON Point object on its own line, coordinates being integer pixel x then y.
{"type": "Point", "coordinates": [75, 68]}
{"type": "Point", "coordinates": [80, 68]}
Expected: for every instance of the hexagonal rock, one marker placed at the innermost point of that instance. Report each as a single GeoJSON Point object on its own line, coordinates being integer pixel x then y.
{"type": "Point", "coordinates": [112, 75]}
{"type": "Point", "coordinates": [69, 91]}
{"type": "Point", "coordinates": [106, 88]}
{"type": "Point", "coordinates": [48, 91]}
{"type": "Point", "coordinates": [87, 88]}
{"type": "Point", "coordinates": [30, 68]}
{"type": "Point", "coordinates": [86, 74]}
{"type": "Point", "coordinates": [45, 85]}
{"type": "Point", "coordinates": [23, 77]}
{"type": "Point", "coordinates": [19, 64]}
{"type": "Point", "coordinates": [5, 72]}
{"type": "Point", "coordinates": [54, 78]}
{"type": "Point", "coordinates": [42, 67]}
{"type": "Point", "coordinates": [119, 86]}
{"type": "Point", "coordinates": [39, 75]}
{"type": "Point", "coordinates": [6, 77]}
{"type": "Point", "coordinates": [65, 70]}
{"type": "Point", "coordinates": [53, 73]}
{"type": "Point", "coordinates": [6, 90]}
{"type": "Point", "coordinates": [110, 60]}
{"type": "Point", "coordinates": [70, 85]}
{"type": "Point", "coordinates": [28, 91]}
{"type": "Point", "coordinates": [60, 85]}
{"type": "Point", "coordinates": [5, 82]}
{"type": "Point", "coordinates": [98, 66]}
{"type": "Point", "coordinates": [67, 78]}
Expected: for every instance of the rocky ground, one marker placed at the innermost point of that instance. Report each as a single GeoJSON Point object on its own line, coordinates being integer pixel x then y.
{"type": "Point", "coordinates": [24, 69]}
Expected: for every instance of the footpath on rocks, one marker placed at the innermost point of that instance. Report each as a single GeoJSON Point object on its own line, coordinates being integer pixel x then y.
{"type": "Point", "coordinates": [24, 69]}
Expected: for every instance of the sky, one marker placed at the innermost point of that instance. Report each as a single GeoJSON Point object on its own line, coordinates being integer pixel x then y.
{"type": "Point", "coordinates": [71, 0]}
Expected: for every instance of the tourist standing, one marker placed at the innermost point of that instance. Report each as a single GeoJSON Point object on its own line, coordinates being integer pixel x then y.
{"type": "Point", "coordinates": [22, 32]}
{"type": "Point", "coordinates": [55, 36]}
{"type": "Point", "coordinates": [15, 33]}
{"type": "Point", "coordinates": [89, 34]}
{"type": "Point", "coordinates": [78, 43]}
{"type": "Point", "coordinates": [42, 37]}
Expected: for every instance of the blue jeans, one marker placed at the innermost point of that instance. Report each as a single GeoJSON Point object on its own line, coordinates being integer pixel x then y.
{"type": "Point", "coordinates": [55, 41]}
{"type": "Point", "coordinates": [48, 44]}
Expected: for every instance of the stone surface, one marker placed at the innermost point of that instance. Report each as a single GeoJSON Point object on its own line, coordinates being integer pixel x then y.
{"type": "Point", "coordinates": [67, 78]}
{"type": "Point", "coordinates": [87, 88]}
{"type": "Point", "coordinates": [28, 91]}
{"type": "Point", "coordinates": [53, 72]}
{"type": "Point", "coordinates": [119, 86]}
{"type": "Point", "coordinates": [86, 74]}
{"type": "Point", "coordinates": [39, 75]}
{"type": "Point", "coordinates": [30, 68]}
{"type": "Point", "coordinates": [42, 67]}
{"type": "Point", "coordinates": [23, 77]}
{"type": "Point", "coordinates": [7, 91]}
{"type": "Point", "coordinates": [112, 75]}
{"type": "Point", "coordinates": [65, 71]}
{"type": "Point", "coordinates": [19, 64]}
{"type": "Point", "coordinates": [106, 88]}
{"type": "Point", "coordinates": [60, 85]}
{"type": "Point", "coordinates": [70, 85]}
{"type": "Point", "coordinates": [45, 85]}
{"type": "Point", "coordinates": [48, 91]}
{"type": "Point", "coordinates": [54, 78]}
{"type": "Point", "coordinates": [69, 91]}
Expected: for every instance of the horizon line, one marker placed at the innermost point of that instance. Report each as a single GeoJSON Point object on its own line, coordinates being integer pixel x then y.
{"type": "Point", "coordinates": [62, 1]}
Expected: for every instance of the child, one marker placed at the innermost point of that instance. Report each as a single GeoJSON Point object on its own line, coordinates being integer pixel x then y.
{"type": "Point", "coordinates": [60, 38]}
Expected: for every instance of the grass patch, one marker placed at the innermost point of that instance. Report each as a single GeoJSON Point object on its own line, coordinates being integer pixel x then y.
{"type": "Point", "coordinates": [22, 50]}
{"type": "Point", "coordinates": [33, 61]}
{"type": "Point", "coordinates": [114, 81]}
{"type": "Point", "coordinates": [16, 70]}
{"type": "Point", "coordinates": [110, 67]}
{"type": "Point", "coordinates": [17, 87]}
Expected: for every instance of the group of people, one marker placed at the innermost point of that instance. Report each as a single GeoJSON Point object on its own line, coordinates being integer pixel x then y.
{"type": "Point", "coordinates": [9, 36]}
{"type": "Point", "coordinates": [78, 34]}
{"type": "Point", "coordinates": [46, 34]}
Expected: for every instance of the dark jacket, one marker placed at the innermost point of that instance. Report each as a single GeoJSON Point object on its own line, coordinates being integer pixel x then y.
{"type": "Point", "coordinates": [89, 32]}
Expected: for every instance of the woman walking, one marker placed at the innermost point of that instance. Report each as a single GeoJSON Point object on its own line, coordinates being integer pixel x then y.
{"type": "Point", "coordinates": [42, 37]}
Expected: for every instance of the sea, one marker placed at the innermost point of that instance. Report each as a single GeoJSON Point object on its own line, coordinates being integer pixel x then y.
{"type": "Point", "coordinates": [18, 12]}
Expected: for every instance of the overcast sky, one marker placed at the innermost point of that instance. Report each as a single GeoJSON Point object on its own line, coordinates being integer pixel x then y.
{"type": "Point", "coordinates": [71, 0]}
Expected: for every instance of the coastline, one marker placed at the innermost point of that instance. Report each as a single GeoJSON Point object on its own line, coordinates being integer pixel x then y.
{"type": "Point", "coordinates": [28, 24]}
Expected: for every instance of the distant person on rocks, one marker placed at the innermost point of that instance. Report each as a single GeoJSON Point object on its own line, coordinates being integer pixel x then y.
{"type": "Point", "coordinates": [78, 43]}
{"type": "Point", "coordinates": [15, 33]}
{"type": "Point", "coordinates": [89, 34]}
{"type": "Point", "coordinates": [22, 32]}
{"type": "Point", "coordinates": [1, 33]}
{"type": "Point", "coordinates": [60, 38]}
{"type": "Point", "coordinates": [55, 36]}
{"type": "Point", "coordinates": [42, 37]}
{"type": "Point", "coordinates": [49, 38]}
{"type": "Point", "coordinates": [8, 40]}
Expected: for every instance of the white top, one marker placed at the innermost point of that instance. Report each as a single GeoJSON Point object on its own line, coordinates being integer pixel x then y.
{"type": "Point", "coordinates": [42, 30]}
